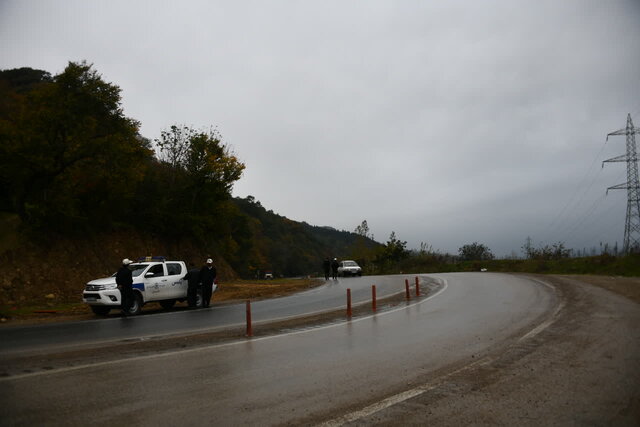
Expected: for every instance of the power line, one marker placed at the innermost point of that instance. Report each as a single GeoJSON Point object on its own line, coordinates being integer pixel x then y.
{"type": "Point", "coordinates": [579, 223]}
{"type": "Point", "coordinates": [573, 197]}
{"type": "Point", "coordinates": [594, 220]}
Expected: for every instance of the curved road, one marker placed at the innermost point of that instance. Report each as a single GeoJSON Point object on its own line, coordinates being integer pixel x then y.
{"type": "Point", "coordinates": [331, 296]}
{"type": "Point", "coordinates": [338, 373]}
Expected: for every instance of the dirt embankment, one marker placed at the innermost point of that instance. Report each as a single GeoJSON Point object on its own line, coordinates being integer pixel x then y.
{"type": "Point", "coordinates": [53, 271]}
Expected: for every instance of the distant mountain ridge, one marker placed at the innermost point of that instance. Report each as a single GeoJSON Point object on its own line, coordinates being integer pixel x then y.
{"type": "Point", "coordinates": [292, 248]}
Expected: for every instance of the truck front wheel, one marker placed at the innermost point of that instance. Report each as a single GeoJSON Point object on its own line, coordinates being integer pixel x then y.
{"type": "Point", "coordinates": [136, 305]}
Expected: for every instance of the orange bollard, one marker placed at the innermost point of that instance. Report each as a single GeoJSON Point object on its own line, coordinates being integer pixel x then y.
{"type": "Point", "coordinates": [373, 298]}
{"type": "Point", "coordinates": [417, 287]}
{"type": "Point", "coordinates": [249, 328]}
{"type": "Point", "coordinates": [406, 288]}
{"type": "Point", "coordinates": [349, 313]}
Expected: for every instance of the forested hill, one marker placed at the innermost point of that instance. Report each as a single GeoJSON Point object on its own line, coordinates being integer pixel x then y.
{"type": "Point", "coordinates": [293, 248]}
{"type": "Point", "coordinates": [79, 184]}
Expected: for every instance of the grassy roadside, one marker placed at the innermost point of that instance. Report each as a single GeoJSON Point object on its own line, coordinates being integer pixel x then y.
{"type": "Point", "coordinates": [627, 265]}
{"type": "Point", "coordinates": [240, 290]}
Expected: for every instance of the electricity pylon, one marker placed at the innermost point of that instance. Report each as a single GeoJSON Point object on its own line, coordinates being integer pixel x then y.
{"type": "Point", "coordinates": [632, 223]}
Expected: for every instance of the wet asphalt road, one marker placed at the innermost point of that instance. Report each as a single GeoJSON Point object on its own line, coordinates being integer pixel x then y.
{"type": "Point", "coordinates": [330, 296]}
{"type": "Point", "coordinates": [297, 378]}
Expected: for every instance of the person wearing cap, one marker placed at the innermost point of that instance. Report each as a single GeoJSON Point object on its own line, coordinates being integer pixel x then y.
{"type": "Point", "coordinates": [334, 268]}
{"type": "Point", "coordinates": [124, 280]}
{"type": "Point", "coordinates": [207, 278]}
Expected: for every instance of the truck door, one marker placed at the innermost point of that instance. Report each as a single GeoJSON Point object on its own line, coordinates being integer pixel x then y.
{"type": "Point", "coordinates": [156, 283]}
{"type": "Point", "coordinates": [176, 285]}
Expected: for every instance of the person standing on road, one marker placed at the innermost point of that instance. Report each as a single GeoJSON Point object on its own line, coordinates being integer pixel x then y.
{"type": "Point", "coordinates": [326, 266]}
{"type": "Point", "coordinates": [193, 279]}
{"type": "Point", "coordinates": [207, 277]}
{"type": "Point", "coordinates": [334, 268]}
{"type": "Point", "coordinates": [124, 280]}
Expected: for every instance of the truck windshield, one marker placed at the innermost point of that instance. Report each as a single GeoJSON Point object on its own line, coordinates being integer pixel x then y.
{"type": "Point", "coordinates": [137, 269]}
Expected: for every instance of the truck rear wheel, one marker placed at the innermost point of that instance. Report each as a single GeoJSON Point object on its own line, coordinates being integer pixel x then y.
{"type": "Point", "coordinates": [100, 310]}
{"type": "Point", "coordinates": [199, 298]}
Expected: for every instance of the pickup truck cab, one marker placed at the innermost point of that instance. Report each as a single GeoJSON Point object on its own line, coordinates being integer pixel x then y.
{"type": "Point", "coordinates": [154, 279]}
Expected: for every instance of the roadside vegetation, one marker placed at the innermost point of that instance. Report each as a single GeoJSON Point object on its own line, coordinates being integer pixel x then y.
{"type": "Point", "coordinates": [605, 264]}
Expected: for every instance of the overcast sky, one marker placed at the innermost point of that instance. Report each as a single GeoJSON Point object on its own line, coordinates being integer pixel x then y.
{"type": "Point", "coordinates": [446, 122]}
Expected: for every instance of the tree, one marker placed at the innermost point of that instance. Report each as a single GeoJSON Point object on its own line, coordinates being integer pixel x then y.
{"type": "Point", "coordinates": [475, 252]}
{"type": "Point", "coordinates": [362, 230]}
{"type": "Point", "coordinates": [67, 151]}
{"type": "Point", "coordinates": [205, 167]}
{"type": "Point", "coordinates": [555, 251]}
{"type": "Point", "coordinates": [391, 253]}
{"type": "Point", "coordinates": [395, 249]}
{"type": "Point", "coordinates": [362, 249]}
{"type": "Point", "coordinates": [200, 173]}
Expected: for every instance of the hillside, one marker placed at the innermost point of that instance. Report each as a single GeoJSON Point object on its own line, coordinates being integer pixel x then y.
{"type": "Point", "coordinates": [42, 267]}
{"type": "Point", "coordinates": [291, 248]}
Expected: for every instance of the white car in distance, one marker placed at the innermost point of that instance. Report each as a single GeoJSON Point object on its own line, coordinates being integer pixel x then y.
{"type": "Point", "coordinates": [349, 268]}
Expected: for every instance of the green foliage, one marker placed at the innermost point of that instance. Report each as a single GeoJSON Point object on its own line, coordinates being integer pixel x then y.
{"type": "Point", "coordinates": [475, 252]}
{"type": "Point", "coordinates": [68, 155]}
{"type": "Point", "coordinates": [197, 174]}
{"type": "Point", "coordinates": [390, 254]}
{"type": "Point", "coordinates": [555, 251]}
{"type": "Point", "coordinates": [71, 161]}
{"type": "Point", "coordinates": [206, 165]}
{"type": "Point", "coordinates": [363, 250]}
{"type": "Point", "coordinates": [22, 80]}
{"type": "Point", "coordinates": [284, 246]}
{"type": "Point", "coordinates": [604, 264]}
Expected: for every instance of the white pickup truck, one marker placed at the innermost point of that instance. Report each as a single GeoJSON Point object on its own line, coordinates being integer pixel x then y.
{"type": "Point", "coordinates": [154, 279]}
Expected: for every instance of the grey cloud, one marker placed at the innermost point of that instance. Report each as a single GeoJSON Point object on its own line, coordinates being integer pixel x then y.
{"type": "Point", "coordinates": [446, 122]}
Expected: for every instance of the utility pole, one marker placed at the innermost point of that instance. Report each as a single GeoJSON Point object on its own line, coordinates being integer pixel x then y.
{"type": "Point", "coordinates": [632, 223]}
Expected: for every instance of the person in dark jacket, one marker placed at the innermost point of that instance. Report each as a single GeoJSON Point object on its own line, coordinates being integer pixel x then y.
{"type": "Point", "coordinates": [207, 278]}
{"type": "Point", "coordinates": [124, 280]}
{"type": "Point", "coordinates": [193, 280]}
{"type": "Point", "coordinates": [326, 266]}
{"type": "Point", "coordinates": [334, 268]}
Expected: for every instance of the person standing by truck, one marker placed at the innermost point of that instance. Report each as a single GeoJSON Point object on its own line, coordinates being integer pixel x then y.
{"type": "Point", "coordinates": [334, 268]}
{"type": "Point", "coordinates": [193, 279]}
{"type": "Point", "coordinates": [124, 280]}
{"type": "Point", "coordinates": [207, 278]}
{"type": "Point", "coordinates": [326, 266]}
